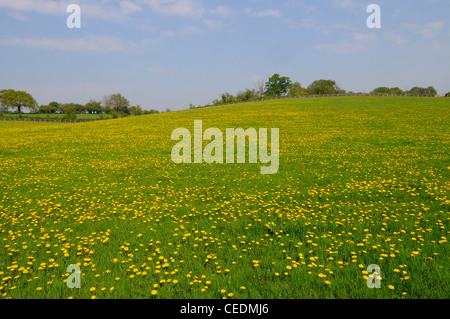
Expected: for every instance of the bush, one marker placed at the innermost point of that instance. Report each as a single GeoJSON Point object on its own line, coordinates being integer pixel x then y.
{"type": "Point", "coordinates": [114, 114]}
{"type": "Point", "coordinates": [1, 114]}
{"type": "Point", "coordinates": [69, 114]}
{"type": "Point", "coordinates": [447, 95]}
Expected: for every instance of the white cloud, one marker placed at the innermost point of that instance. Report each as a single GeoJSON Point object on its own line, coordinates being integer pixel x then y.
{"type": "Point", "coordinates": [18, 16]}
{"type": "Point", "coordinates": [344, 47]}
{"type": "Point", "coordinates": [395, 38]}
{"type": "Point", "coordinates": [40, 6]}
{"type": "Point", "coordinates": [180, 8]}
{"type": "Point", "coordinates": [213, 24]}
{"type": "Point", "coordinates": [94, 43]}
{"type": "Point", "coordinates": [427, 31]}
{"type": "Point", "coordinates": [430, 30]}
{"type": "Point", "coordinates": [105, 10]}
{"type": "Point", "coordinates": [363, 37]}
{"type": "Point", "coordinates": [269, 13]}
{"type": "Point", "coordinates": [222, 11]}
{"type": "Point", "coordinates": [347, 3]}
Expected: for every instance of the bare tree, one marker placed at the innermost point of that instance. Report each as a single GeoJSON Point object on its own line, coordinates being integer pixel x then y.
{"type": "Point", "coordinates": [260, 86]}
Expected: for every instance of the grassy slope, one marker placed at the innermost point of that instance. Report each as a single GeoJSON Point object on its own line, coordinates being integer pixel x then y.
{"type": "Point", "coordinates": [362, 180]}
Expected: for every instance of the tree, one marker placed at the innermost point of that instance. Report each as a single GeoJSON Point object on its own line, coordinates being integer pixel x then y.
{"type": "Point", "coordinates": [277, 85]}
{"type": "Point", "coordinates": [117, 103]}
{"type": "Point", "coordinates": [17, 99]}
{"type": "Point", "coordinates": [324, 87]}
{"type": "Point", "coordinates": [297, 90]}
{"type": "Point", "coordinates": [49, 109]}
{"type": "Point", "coordinates": [396, 90]}
{"type": "Point", "coordinates": [381, 90]}
{"type": "Point", "coordinates": [431, 90]}
{"type": "Point", "coordinates": [260, 87]}
{"type": "Point", "coordinates": [69, 113]}
{"type": "Point", "coordinates": [136, 110]}
{"type": "Point", "coordinates": [152, 111]}
{"type": "Point", "coordinates": [246, 95]}
{"type": "Point", "coordinates": [227, 98]}
{"type": "Point", "coordinates": [53, 106]}
{"type": "Point", "coordinates": [93, 107]}
{"type": "Point", "coordinates": [79, 108]}
{"type": "Point", "coordinates": [447, 94]}
{"type": "Point", "coordinates": [423, 91]}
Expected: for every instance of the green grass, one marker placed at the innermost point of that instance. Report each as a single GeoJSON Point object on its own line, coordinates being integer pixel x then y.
{"type": "Point", "coordinates": [362, 180]}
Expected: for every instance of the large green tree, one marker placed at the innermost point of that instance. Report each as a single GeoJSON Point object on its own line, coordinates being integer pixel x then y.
{"type": "Point", "coordinates": [423, 91]}
{"type": "Point", "coordinates": [116, 102]}
{"type": "Point", "coordinates": [93, 107]}
{"type": "Point", "coordinates": [381, 90]}
{"type": "Point", "coordinates": [278, 85]}
{"type": "Point", "coordinates": [324, 87]}
{"type": "Point", "coordinates": [136, 110]}
{"type": "Point", "coordinates": [297, 90]}
{"type": "Point", "coordinates": [17, 99]}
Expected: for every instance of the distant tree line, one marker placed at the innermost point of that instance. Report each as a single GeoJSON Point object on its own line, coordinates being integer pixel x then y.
{"type": "Point", "coordinates": [118, 106]}
{"type": "Point", "coordinates": [278, 85]}
{"type": "Point", "coordinates": [414, 91]}
{"type": "Point", "coordinates": [114, 104]}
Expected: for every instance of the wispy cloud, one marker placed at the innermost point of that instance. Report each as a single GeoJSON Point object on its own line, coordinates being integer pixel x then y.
{"type": "Point", "coordinates": [213, 24]}
{"type": "Point", "coordinates": [363, 37]}
{"type": "Point", "coordinates": [268, 13]}
{"type": "Point", "coordinates": [344, 47]}
{"type": "Point", "coordinates": [428, 30]}
{"type": "Point", "coordinates": [176, 8]}
{"type": "Point", "coordinates": [222, 11]}
{"type": "Point", "coordinates": [348, 3]}
{"type": "Point", "coordinates": [93, 43]}
{"type": "Point", "coordinates": [106, 10]}
{"type": "Point", "coordinates": [40, 6]}
{"type": "Point", "coordinates": [18, 16]}
{"type": "Point", "coordinates": [395, 38]}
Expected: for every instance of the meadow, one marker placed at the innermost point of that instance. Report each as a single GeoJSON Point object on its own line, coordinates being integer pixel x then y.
{"type": "Point", "coordinates": [362, 180]}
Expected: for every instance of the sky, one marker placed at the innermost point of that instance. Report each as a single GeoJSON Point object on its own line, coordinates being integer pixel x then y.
{"type": "Point", "coordinates": [171, 53]}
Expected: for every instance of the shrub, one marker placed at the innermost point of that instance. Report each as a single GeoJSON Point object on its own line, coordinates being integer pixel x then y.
{"type": "Point", "coordinates": [69, 113]}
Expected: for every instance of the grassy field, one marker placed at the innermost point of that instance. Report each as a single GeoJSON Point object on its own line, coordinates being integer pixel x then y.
{"type": "Point", "coordinates": [57, 116]}
{"type": "Point", "coordinates": [362, 180]}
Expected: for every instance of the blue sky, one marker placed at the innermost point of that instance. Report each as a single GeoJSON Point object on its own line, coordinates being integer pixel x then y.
{"type": "Point", "coordinates": [170, 53]}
